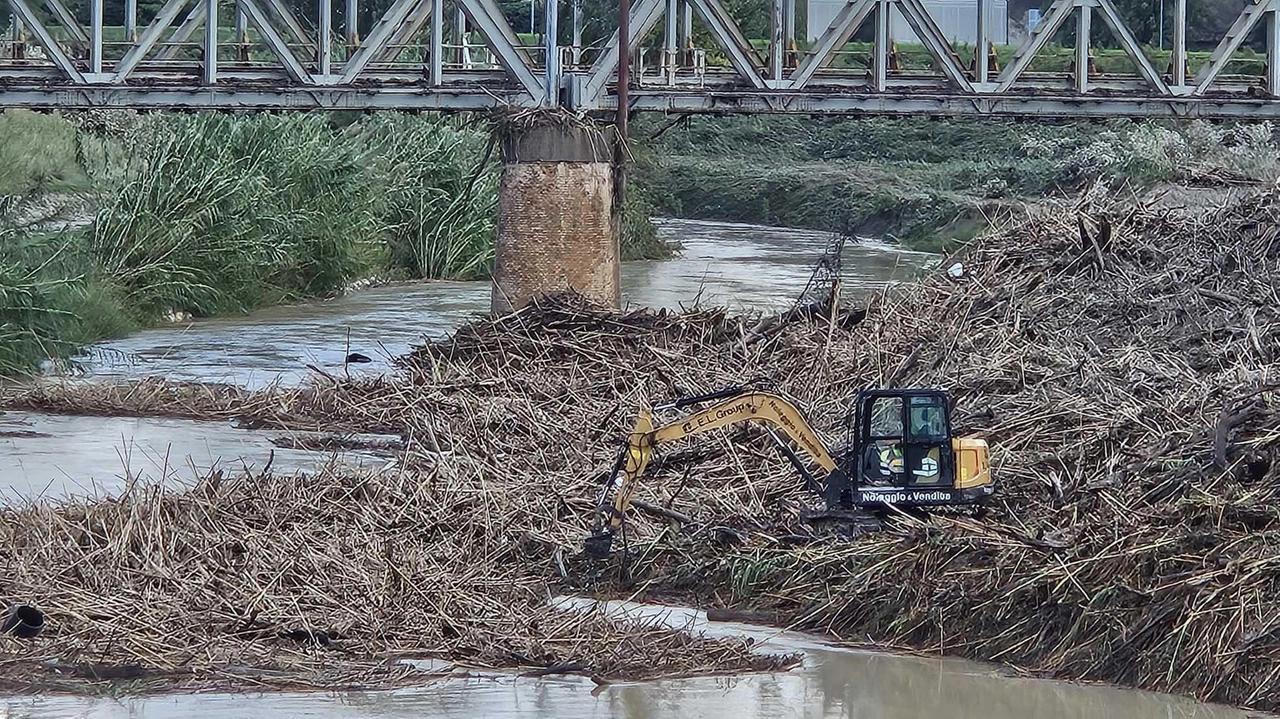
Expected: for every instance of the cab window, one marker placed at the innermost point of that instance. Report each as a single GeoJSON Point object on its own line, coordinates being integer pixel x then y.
{"type": "Point", "coordinates": [886, 418]}
{"type": "Point", "coordinates": [927, 419]}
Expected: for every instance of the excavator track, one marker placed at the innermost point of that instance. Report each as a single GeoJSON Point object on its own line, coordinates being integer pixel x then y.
{"type": "Point", "coordinates": [856, 522]}
{"type": "Point", "coordinates": [848, 523]}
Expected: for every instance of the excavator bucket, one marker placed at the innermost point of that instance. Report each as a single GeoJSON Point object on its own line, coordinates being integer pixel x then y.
{"type": "Point", "coordinates": [598, 545]}
{"type": "Point", "coordinates": [618, 486]}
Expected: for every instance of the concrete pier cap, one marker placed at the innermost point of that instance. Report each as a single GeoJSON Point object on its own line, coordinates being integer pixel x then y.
{"type": "Point", "coordinates": [556, 227]}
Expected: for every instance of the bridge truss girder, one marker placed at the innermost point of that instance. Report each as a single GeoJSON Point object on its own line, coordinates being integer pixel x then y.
{"type": "Point", "coordinates": [417, 56]}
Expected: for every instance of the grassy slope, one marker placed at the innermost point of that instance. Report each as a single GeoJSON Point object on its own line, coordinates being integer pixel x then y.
{"type": "Point", "coordinates": [905, 179]}
{"type": "Point", "coordinates": [927, 183]}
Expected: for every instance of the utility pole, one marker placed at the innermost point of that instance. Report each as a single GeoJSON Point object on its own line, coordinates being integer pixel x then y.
{"type": "Point", "coordinates": [624, 65]}
{"type": "Point", "coordinates": [624, 103]}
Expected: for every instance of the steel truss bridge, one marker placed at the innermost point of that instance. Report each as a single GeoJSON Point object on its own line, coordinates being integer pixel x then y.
{"type": "Point", "coordinates": [464, 55]}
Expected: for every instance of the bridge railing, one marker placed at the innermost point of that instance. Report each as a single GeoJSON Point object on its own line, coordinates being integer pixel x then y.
{"type": "Point", "coordinates": [686, 56]}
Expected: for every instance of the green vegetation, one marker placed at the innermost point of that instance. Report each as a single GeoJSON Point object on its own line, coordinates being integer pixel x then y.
{"type": "Point", "coordinates": [114, 222]}
{"type": "Point", "coordinates": [927, 183]}
{"type": "Point", "coordinates": [220, 214]}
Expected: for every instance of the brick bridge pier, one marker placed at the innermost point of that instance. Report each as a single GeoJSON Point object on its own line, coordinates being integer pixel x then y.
{"type": "Point", "coordinates": [558, 217]}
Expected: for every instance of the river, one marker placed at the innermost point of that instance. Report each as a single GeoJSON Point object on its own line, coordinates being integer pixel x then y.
{"type": "Point", "coordinates": [736, 265]}
{"type": "Point", "coordinates": [740, 266]}
{"type": "Point", "coordinates": [832, 682]}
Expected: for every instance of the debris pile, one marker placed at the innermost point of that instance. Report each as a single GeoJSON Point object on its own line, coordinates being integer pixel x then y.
{"type": "Point", "coordinates": [312, 582]}
{"type": "Point", "coordinates": [1121, 362]}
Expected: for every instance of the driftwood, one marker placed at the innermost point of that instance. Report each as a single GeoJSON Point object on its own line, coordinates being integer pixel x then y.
{"type": "Point", "coordinates": [1117, 548]}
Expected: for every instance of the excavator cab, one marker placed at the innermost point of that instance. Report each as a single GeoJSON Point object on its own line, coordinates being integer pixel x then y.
{"type": "Point", "coordinates": [901, 451]}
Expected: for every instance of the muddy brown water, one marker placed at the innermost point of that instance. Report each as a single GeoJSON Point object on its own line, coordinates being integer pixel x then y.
{"type": "Point", "coordinates": [740, 266]}
{"type": "Point", "coordinates": [56, 456]}
{"type": "Point", "coordinates": [831, 682]}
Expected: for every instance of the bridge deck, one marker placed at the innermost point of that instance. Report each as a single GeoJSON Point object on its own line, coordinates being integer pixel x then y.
{"type": "Point", "coordinates": [414, 58]}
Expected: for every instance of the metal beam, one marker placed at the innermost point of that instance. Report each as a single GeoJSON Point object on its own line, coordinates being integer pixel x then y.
{"type": "Point", "coordinates": [880, 47]}
{"type": "Point", "coordinates": [890, 104]}
{"type": "Point", "coordinates": [1179, 55]}
{"type": "Point", "coordinates": [842, 27]}
{"type": "Point", "coordinates": [1083, 31]}
{"type": "Point", "coordinates": [324, 37]}
{"type": "Point", "coordinates": [437, 43]}
{"type": "Point", "coordinates": [686, 29]}
{"type": "Point", "coordinates": [1239, 31]}
{"type": "Point", "coordinates": [352, 24]}
{"type": "Point", "coordinates": [918, 17]}
{"type": "Point", "coordinates": [17, 37]}
{"type": "Point", "coordinates": [291, 22]}
{"type": "Point", "coordinates": [222, 97]}
{"type": "Point", "coordinates": [1057, 14]}
{"type": "Point", "coordinates": [670, 41]}
{"type": "Point", "coordinates": [242, 36]}
{"type": "Point", "coordinates": [405, 33]}
{"type": "Point", "coordinates": [131, 20]}
{"type": "Point", "coordinates": [95, 36]}
{"type": "Point", "coordinates": [737, 48]}
{"type": "Point", "coordinates": [775, 40]}
{"type": "Point", "coordinates": [52, 49]}
{"type": "Point", "coordinates": [259, 19]}
{"type": "Point", "coordinates": [1273, 53]}
{"type": "Point", "coordinates": [789, 30]}
{"type": "Point", "coordinates": [576, 42]}
{"type": "Point", "coordinates": [210, 42]}
{"type": "Point", "coordinates": [183, 33]}
{"type": "Point", "coordinates": [551, 33]}
{"type": "Point", "coordinates": [981, 64]}
{"type": "Point", "coordinates": [460, 36]}
{"type": "Point", "coordinates": [395, 19]}
{"type": "Point", "coordinates": [644, 15]}
{"type": "Point", "coordinates": [182, 90]}
{"type": "Point", "coordinates": [68, 21]}
{"type": "Point", "coordinates": [1129, 43]}
{"type": "Point", "coordinates": [163, 19]}
{"type": "Point", "coordinates": [486, 16]}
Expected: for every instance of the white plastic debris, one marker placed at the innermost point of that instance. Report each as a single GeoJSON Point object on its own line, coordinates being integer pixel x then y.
{"type": "Point", "coordinates": [956, 270]}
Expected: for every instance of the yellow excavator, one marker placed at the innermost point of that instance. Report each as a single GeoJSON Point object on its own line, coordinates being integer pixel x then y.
{"type": "Point", "coordinates": [900, 452]}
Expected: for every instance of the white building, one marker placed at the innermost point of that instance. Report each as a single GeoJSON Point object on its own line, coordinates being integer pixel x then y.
{"type": "Point", "coordinates": [958, 20]}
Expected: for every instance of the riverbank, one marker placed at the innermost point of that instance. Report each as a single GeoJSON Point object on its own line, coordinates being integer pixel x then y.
{"type": "Point", "coordinates": [111, 222]}
{"type": "Point", "coordinates": [832, 680]}
{"type": "Point", "coordinates": [115, 221]}
{"type": "Point", "coordinates": [1116, 358]}
{"type": "Point", "coordinates": [929, 184]}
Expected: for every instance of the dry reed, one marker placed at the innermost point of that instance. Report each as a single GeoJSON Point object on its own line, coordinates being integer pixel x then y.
{"type": "Point", "coordinates": [1121, 362]}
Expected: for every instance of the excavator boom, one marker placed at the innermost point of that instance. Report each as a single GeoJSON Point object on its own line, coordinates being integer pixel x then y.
{"type": "Point", "coordinates": [763, 407]}
{"type": "Point", "coordinates": [904, 453]}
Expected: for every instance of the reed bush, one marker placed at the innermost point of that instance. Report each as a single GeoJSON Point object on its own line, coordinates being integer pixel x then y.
{"type": "Point", "coordinates": [437, 195]}
{"type": "Point", "coordinates": [226, 214]}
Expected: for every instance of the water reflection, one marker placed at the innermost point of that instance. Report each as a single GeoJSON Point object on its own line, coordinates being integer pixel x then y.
{"type": "Point", "coordinates": [740, 266]}
{"type": "Point", "coordinates": [55, 456]}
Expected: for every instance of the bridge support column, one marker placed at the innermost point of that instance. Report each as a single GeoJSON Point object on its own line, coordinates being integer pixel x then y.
{"type": "Point", "coordinates": [556, 228]}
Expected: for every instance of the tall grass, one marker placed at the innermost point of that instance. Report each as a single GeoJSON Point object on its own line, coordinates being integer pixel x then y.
{"type": "Point", "coordinates": [226, 214]}
{"type": "Point", "coordinates": [438, 195]}
{"type": "Point", "coordinates": [37, 282]}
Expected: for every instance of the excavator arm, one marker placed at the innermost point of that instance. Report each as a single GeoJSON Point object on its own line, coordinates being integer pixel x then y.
{"type": "Point", "coordinates": [770, 409]}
